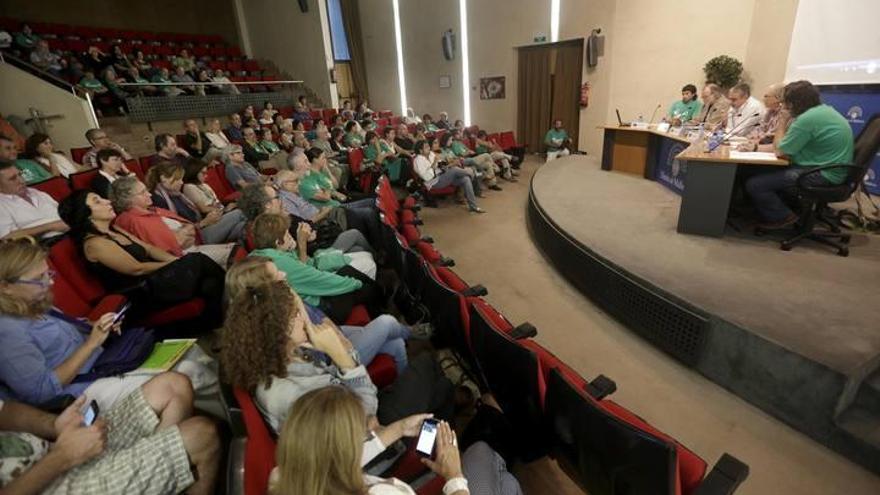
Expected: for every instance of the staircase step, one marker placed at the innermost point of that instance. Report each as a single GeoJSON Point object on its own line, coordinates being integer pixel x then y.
{"type": "Point", "coordinates": [861, 423]}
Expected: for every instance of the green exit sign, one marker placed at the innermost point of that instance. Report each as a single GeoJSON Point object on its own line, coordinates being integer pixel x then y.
{"type": "Point", "coordinates": [541, 39]}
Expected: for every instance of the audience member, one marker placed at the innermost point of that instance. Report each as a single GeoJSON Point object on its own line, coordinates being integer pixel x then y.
{"type": "Point", "coordinates": [332, 281]}
{"type": "Point", "coordinates": [181, 76]}
{"type": "Point", "coordinates": [381, 156]}
{"type": "Point", "coordinates": [443, 122]}
{"type": "Point", "coordinates": [715, 106]}
{"type": "Point", "coordinates": [557, 141]}
{"type": "Point", "coordinates": [184, 61]}
{"type": "Point", "coordinates": [140, 62]}
{"type": "Point", "coordinates": [353, 135]}
{"type": "Point", "coordinates": [216, 138]}
{"type": "Point", "coordinates": [31, 171]}
{"type": "Point", "coordinates": [133, 75]}
{"type": "Point", "coordinates": [225, 86]}
{"type": "Point", "coordinates": [96, 60]}
{"type": "Point", "coordinates": [337, 160]}
{"type": "Point", "coordinates": [336, 418]}
{"type": "Point", "coordinates": [196, 143]}
{"type": "Point", "coordinates": [45, 59]}
{"type": "Point", "coordinates": [25, 39]}
{"type": "Point", "coordinates": [99, 141]}
{"type": "Point", "coordinates": [745, 112]}
{"type": "Point", "coordinates": [761, 139]}
{"type": "Point", "coordinates": [163, 76]}
{"type": "Point", "coordinates": [39, 148]}
{"type": "Point", "coordinates": [148, 442]}
{"type": "Point", "coordinates": [254, 152]}
{"type": "Point", "coordinates": [685, 109]}
{"type": "Point", "coordinates": [122, 262]}
{"type": "Point", "coordinates": [45, 354]}
{"type": "Point", "coordinates": [483, 165]}
{"type": "Point", "coordinates": [483, 145]}
{"type": "Point", "coordinates": [207, 88]}
{"type": "Point", "coordinates": [428, 167]}
{"type": "Point", "coordinates": [234, 129]}
{"type": "Point", "coordinates": [817, 135]}
{"type": "Point", "coordinates": [167, 150]}
{"type": "Point", "coordinates": [25, 211]}
{"type": "Point", "coordinates": [198, 191]}
{"type": "Point", "coordinates": [239, 173]}
{"type": "Point", "coordinates": [111, 167]}
{"type": "Point", "coordinates": [428, 122]}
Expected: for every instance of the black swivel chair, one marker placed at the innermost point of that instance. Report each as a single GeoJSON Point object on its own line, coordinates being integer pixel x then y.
{"type": "Point", "coordinates": [815, 199]}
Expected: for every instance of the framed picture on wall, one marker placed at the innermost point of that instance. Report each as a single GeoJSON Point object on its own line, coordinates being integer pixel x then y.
{"type": "Point", "coordinates": [492, 88]}
{"type": "Point", "coordinates": [445, 82]}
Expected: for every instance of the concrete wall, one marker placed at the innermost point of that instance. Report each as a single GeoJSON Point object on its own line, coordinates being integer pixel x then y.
{"type": "Point", "coordinates": [22, 91]}
{"type": "Point", "coordinates": [293, 40]}
{"type": "Point", "coordinates": [653, 47]}
{"type": "Point", "coordinates": [183, 16]}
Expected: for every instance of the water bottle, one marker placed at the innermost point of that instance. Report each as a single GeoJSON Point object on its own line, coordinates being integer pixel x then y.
{"type": "Point", "coordinates": [715, 141]}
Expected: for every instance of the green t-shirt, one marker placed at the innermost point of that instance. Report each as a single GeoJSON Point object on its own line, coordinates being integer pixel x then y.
{"type": "Point", "coordinates": [92, 84]}
{"type": "Point", "coordinates": [312, 184]}
{"type": "Point", "coordinates": [270, 147]}
{"type": "Point", "coordinates": [430, 128]}
{"type": "Point", "coordinates": [480, 149]}
{"type": "Point", "coordinates": [684, 111]}
{"type": "Point", "coordinates": [460, 149]}
{"type": "Point", "coordinates": [307, 280]}
{"type": "Point", "coordinates": [353, 140]}
{"type": "Point", "coordinates": [820, 136]}
{"type": "Point", "coordinates": [32, 171]}
{"type": "Point", "coordinates": [554, 139]}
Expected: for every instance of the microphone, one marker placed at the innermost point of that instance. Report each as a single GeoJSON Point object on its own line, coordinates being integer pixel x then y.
{"type": "Point", "coordinates": [653, 115]}
{"type": "Point", "coordinates": [736, 128]}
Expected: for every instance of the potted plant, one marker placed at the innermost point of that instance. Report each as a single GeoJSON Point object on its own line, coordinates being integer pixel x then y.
{"type": "Point", "coordinates": [723, 70]}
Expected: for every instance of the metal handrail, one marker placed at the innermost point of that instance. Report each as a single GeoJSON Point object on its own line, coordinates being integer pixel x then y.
{"type": "Point", "coordinates": [41, 73]}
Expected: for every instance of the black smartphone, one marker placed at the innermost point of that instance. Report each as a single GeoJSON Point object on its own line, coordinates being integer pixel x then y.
{"type": "Point", "coordinates": [90, 414]}
{"type": "Point", "coordinates": [120, 314]}
{"type": "Point", "coordinates": [427, 438]}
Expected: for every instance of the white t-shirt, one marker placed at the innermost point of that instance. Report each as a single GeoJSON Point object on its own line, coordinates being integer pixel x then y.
{"type": "Point", "coordinates": [65, 166]}
{"type": "Point", "coordinates": [18, 213]}
{"type": "Point", "coordinates": [423, 167]}
{"type": "Point", "coordinates": [746, 118]}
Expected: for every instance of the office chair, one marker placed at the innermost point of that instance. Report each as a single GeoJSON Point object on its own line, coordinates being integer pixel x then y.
{"type": "Point", "coordinates": [815, 199]}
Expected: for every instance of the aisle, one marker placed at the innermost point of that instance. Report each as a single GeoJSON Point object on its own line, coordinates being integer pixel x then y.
{"type": "Point", "coordinates": [495, 250]}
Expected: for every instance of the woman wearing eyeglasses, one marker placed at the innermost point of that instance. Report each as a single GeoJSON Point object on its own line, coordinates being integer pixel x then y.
{"type": "Point", "coordinates": [45, 354]}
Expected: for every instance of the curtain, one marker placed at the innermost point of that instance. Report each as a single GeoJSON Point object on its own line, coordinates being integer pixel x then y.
{"type": "Point", "coordinates": [351, 19]}
{"type": "Point", "coordinates": [567, 87]}
{"type": "Point", "coordinates": [533, 97]}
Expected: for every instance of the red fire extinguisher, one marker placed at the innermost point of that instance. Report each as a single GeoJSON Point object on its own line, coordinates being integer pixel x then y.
{"type": "Point", "coordinates": [585, 95]}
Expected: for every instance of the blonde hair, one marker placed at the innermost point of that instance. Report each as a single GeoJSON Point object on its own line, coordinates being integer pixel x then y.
{"type": "Point", "coordinates": [269, 229]}
{"type": "Point", "coordinates": [17, 256]}
{"type": "Point", "coordinates": [163, 169]}
{"type": "Point", "coordinates": [320, 445]}
{"type": "Point", "coordinates": [250, 272]}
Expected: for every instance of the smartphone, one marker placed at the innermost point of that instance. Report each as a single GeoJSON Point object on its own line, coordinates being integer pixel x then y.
{"type": "Point", "coordinates": [90, 414]}
{"type": "Point", "coordinates": [120, 314]}
{"type": "Point", "coordinates": [427, 438]}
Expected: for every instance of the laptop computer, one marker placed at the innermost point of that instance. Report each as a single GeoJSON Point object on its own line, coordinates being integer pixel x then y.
{"type": "Point", "coordinates": [619, 120]}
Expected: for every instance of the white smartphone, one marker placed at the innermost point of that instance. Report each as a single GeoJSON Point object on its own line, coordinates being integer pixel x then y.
{"type": "Point", "coordinates": [90, 414]}
{"type": "Point", "coordinates": [427, 438]}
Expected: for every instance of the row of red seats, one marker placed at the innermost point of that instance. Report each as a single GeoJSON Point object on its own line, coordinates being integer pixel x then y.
{"type": "Point", "coordinates": [599, 443]}
{"type": "Point", "coordinates": [88, 32]}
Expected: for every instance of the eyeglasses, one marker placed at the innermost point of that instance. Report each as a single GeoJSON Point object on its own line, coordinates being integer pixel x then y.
{"type": "Point", "coordinates": [44, 281]}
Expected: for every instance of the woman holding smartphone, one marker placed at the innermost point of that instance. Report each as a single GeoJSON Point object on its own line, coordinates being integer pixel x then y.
{"type": "Point", "coordinates": [45, 354]}
{"type": "Point", "coordinates": [333, 418]}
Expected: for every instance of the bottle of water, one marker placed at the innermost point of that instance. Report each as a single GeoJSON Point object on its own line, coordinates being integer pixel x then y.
{"type": "Point", "coordinates": [715, 140]}
{"type": "Point", "coordinates": [700, 140]}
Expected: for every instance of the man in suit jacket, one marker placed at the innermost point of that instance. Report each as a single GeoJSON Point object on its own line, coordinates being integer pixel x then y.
{"type": "Point", "coordinates": [715, 106]}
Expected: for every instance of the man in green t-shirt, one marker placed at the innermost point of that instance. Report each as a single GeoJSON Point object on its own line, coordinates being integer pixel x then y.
{"type": "Point", "coordinates": [817, 136]}
{"type": "Point", "coordinates": [686, 108]}
{"type": "Point", "coordinates": [556, 141]}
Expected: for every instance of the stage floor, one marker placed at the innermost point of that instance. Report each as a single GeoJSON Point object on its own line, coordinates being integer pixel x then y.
{"type": "Point", "coordinates": [808, 300]}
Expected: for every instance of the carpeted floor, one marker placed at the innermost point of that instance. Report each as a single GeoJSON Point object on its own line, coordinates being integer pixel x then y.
{"type": "Point", "coordinates": [495, 249]}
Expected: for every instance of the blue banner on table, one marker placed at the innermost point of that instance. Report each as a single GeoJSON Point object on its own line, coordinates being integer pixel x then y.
{"type": "Point", "coordinates": [669, 171]}
{"type": "Point", "coordinates": [857, 104]}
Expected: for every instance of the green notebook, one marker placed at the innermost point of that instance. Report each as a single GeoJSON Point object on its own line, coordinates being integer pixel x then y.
{"type": "Point", "coordinates": [166, 354]}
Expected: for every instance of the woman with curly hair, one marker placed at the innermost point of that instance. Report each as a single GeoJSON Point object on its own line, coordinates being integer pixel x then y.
{"type": "Point", "coordinates": [271, 348]}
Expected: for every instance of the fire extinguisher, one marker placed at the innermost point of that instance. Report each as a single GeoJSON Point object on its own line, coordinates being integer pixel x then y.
{"type": "Point", "coordinates": [585, 95]}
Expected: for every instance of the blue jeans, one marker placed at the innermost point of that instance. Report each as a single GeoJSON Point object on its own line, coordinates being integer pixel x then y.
{"type": "Point", "coordinates": [360, 203]}
{"type": "Point", "coordinates": [454, 176]}
{"type": "Point", "coordinates": [764, 190]}
{"type": "Point", "coordinates": [383, 335]}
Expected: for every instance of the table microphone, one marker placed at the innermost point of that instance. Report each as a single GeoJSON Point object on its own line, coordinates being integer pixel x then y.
{"type": "Point", "coordinates": [654, 115]}
{"type": "Point", "coordinates": [736, 128]}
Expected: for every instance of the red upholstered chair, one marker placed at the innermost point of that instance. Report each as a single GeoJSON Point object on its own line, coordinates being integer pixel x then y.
{"type": "Point", "coordinates": [57, 187]}
{"type": "Point", "coordinates": [134, 167]}
{"type": "Point", "coordinates": [316, 114]}
{"type": "Point", "coordinates": [82, 180]}
{"type": "Point", "coordinates": [259, 454]}
{"type": "Point", "coordinates": [77, 154]}
{"type": "Point", "coordinates": [146, 162]}
{"type": "Point", "coordinates": [327, 114]}
{"type": "Point", "coordinates": [67, 299]}
{"type": "Point", "coordinates": [355, 159]}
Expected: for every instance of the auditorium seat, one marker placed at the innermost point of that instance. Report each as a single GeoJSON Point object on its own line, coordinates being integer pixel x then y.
{"type": "Point", "coordinates": [68, 299]}
{"type": "Point", "coordinates": [259, 456]}
{"type": "Point", "coordinates": [77, 154]}
{"type": "Point", "coordinates": [57, 187]}
{"type": "Point", "coordinates": [82, 180]}
{"type": "Point", "coordinates": [134, 167]}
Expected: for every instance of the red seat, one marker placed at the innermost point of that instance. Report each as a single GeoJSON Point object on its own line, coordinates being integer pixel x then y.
{"type": "Point", "coordinates": [134, 167]}
{"type": "Point", "coordinates": [386, 114]}
{"type": "Point", "coordinates": [251, 65]}
{"type": "Point", "coordinates": [146, 162]}
{"type": "Point", "coordinates": [77, 154]}
{"type": "Point", "coordinates": [316, 114]}
{"type": "Point", "coordinates": [382, 370]}
{"type": "Point", "coordinates": [382, 123]}
{"type": "Point", "coordinates": [82, 180]}
{"type": "Point", "coordinates": [328, 114]}
{"type": "Point", "coordinates": [234, 66]}
{"type": "Point", "coordinates": [57, 187]}
{"type": "Point", "coordinates": [233, 51]}
{"type": "Point", "coordinates": [259, 455]}
{"type": "Point", "coordinates": [508, 140]}
{"type": "Point", "coordinates": [358, 317]}
{"type": "Point", "coordinates": [215, 177]}
{"type": "Point", "coordinates": [67, 299]}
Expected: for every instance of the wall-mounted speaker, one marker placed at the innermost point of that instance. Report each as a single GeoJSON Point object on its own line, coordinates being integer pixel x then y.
{"type": "Point", "coordinates": [595, 47]}
{"type": "Point", "coordinates": [304, 5]}
{"type": "Point", "coordinates": [448, 45]}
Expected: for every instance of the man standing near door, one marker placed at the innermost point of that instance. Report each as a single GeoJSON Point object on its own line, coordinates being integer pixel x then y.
{"type": "Point", "coordinates": [557, 141]}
